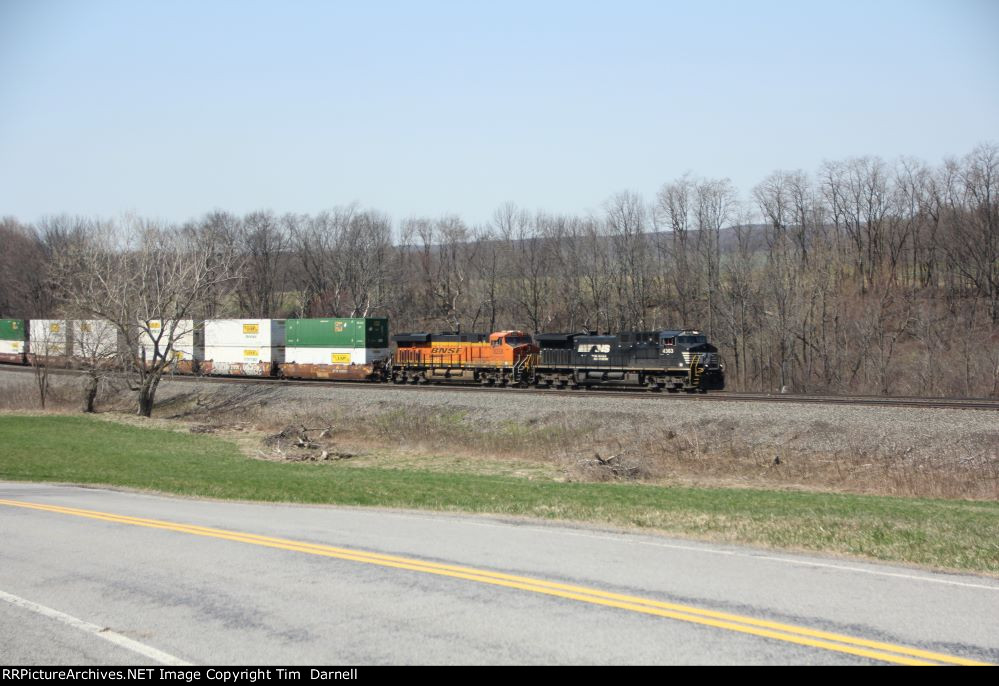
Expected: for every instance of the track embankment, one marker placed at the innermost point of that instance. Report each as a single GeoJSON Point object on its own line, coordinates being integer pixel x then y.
{"type": "Point", "coordinates": [591, 436]}
{"type": "Point", "coordinates": [611, 391]}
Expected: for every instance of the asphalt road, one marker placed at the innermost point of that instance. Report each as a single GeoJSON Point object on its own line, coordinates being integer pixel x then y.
{"type": "Point", "coordinates": [90, 576]}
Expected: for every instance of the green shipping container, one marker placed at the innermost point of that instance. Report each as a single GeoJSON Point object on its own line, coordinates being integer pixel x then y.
{"type": "Point", "coordinates": [337, 333]}
{"type": "Point", "coordinates": [12, 330]}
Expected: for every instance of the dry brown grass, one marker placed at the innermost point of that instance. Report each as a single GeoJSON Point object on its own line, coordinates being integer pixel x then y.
{"type": "Point", "coordinates": [581, 446]}
{"type": "Point", "coordinates": [594, 448]}
{"type": "Point", "coordinates": [21, 394]}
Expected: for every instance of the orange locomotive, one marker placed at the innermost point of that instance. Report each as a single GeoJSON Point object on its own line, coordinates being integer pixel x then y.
{"type": "Point", "coordinates": [499, 359]}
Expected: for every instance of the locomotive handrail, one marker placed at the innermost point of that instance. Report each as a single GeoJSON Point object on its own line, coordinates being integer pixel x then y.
{"type": "Point", "coordinates": [527, 362]}
{"type": "Point", "coordinates": [694, 373]}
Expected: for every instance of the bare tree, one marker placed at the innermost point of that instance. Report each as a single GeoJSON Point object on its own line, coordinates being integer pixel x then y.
{"type": "Point", "coordinates": [674, 213]}
{"type": "Point", "coordinates": [715, 203]}
{"type": "Point", "coordinates": [48, 343]}
{"type": "Point", "coordinates": [263, 244]}
{"type": "Point", "coordinates": [973, 251]}
{"type": "Point", "coordinates": [95, 350]}
{"type": "Point", "coordinates": [365, 263]}
{"type": "Point", "coordinates": [22, 271]}
{"type": "Point", "coordinates": [346, 257]}
{"type": "Point", "coordinates": [134, 273]}
{"type": "Point", "coordinates": [626, 216]}
{"type": "Point", "coordinates": [885, 317]}
{"type": "Point", "coordinates": [26, 288]}
{"type": "Point", "coordinates": [216, 239]}
{"type": "Point", "coordinates": [740, 302]}
{"type": "Point", "coordinates": [444, 255]}
{"type": "Point", "coordinates": [488, 264]}
{"type": "Point", "coordinates": [565, 235]}
{"type": "Point", "coordinates": [529, 267]}
{"type": "Point", "coordinates": [595, 265]}
{"type": "Point", "coordinates": [317, 244]}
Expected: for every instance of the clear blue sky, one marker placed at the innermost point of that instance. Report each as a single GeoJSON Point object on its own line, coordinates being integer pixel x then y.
{"type": "Point", "coordinates": [171, 109]}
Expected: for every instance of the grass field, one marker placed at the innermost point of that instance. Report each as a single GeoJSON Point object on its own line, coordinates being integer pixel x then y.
{"type": "Point", "coordinates": [948, 534]}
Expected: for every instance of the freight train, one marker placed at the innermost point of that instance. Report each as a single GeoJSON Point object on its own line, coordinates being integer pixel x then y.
{"type": "Point", "coordinates": [360, 349]}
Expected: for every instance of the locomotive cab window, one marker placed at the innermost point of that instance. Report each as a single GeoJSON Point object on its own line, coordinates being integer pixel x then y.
{"type": "Point", "coordinates": [669, 341]}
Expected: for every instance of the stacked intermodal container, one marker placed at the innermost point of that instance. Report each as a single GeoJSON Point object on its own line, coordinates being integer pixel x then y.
{"type": "Point", "coordinates": [13, 340]}
{"type": "Point", "coordinates": [188, 348]}
{"type": "Point", "coordinates": [48, 337]}
{"type": "Point", "coordinates": [336, 347]}
{"type": "Point", "coordinates": [243, 346]}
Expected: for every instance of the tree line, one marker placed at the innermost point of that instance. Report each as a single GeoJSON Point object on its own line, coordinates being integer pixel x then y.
{"type": "Point", "coordinates": [863, 276]}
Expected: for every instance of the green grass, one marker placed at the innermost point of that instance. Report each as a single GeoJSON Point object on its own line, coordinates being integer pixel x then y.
{"type": "Point", "coordinates": [961, 535]}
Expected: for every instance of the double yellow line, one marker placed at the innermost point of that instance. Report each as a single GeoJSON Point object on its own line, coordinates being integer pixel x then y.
{"type": "Point", "coordinates": [789, 633]}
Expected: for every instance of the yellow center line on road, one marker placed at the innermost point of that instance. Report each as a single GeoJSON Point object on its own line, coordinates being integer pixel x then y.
{"type": "Point", "coordinates": [842, 643]}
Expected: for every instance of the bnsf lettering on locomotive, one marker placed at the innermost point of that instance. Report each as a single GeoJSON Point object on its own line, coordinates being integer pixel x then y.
{"type": "Point", "coordinates": [445, 351]}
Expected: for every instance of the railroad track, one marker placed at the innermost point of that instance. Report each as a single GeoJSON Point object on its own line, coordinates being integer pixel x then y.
{"type": "Point", "coordinates": [619, 392]}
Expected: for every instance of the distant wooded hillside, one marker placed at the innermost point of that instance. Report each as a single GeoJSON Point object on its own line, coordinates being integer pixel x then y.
{"type": "Point", "coordinates": [861, 277]}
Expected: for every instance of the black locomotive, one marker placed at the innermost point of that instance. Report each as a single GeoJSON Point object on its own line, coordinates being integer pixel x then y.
{"type": "Point", "coordinates": [672, 360]}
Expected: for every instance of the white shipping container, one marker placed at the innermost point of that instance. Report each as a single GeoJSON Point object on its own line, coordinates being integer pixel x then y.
{"type": "Point", "coordinates": [313, 355]}
{"type": "Point", "coordinates": [94, 339]}
{"type": "Point", "coordinates": [187, 345]}
{"type": "Point", "coordinates": [48, 337]}
{"type": "Point", "coordinates": [11, 347]}
{"type": "Point", "coordinates": [244, 354]}
{"type": "Point", "coordinates": [248, 333]}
